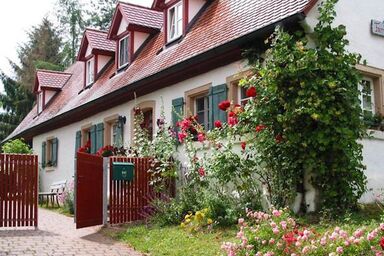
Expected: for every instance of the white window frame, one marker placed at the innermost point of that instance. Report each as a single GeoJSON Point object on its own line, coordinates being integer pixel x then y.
{"type": "Point", "coordinates": [126, 48]}
{"type": "Point", "coordinates": [242, 101]}
{"type": "Point", "coordinates": [177, 23]}
{"type": "Point", "coordinates": [40, 102]}
{"type": "Point", "coordinates": [371, 94]}
{"type": "Point", "coordinates": [90, 71]}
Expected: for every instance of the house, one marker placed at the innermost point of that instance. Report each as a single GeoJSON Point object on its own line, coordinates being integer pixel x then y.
{"type": "Point", "coordinates": [187, 55]}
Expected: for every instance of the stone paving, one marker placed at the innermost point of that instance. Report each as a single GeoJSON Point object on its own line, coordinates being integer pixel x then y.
{"type": "Point", "coordinates": [57, 235]}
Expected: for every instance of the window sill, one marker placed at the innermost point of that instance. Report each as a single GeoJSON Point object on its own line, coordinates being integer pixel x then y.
{"type": "Point", "coordinates": [375, 134]}
{"type": "Point", "coordinates": [49, 169]}
{"type": "Point", "coordinates": [174, 41]}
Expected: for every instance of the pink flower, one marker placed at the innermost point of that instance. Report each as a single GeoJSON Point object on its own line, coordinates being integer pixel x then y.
{"type": "Point", "coordinates": [273, 224]}
{"type": "Point", "coordinates": [276, 213]}
{"type": "Point", "coordinates": [323, 241]}
{"type": "Point", "coordinates": [182, 136]}
{"type": "Point", "coordinates": [201, 172]}
{"type": "Point", "coordinates": [276, 231]}
{"type": "Point", "coordinates": [339, 250]}
{"type": "Point", "coordinates": [305, 250]}
{"type": "Point", "coordinates": [382, 226]}
{"type": "Point", "coordinates": [271, 241]}
{"type": "Point", "coordinates": [241, 221]}
{"type": "Point", "coordinates": [283, 225]}
{"type": "Point", "coordinates": [201, 137]}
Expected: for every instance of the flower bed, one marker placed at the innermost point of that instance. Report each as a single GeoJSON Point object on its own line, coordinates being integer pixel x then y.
{"type": "Point", "coordinates": [264, 234]}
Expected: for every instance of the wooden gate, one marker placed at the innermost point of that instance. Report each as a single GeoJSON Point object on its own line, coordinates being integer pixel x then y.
{"type": "Point", "coordinates": [18, 190]}
{"type": "Point", "coordinates": [127, 199]}
{"type": "Point", "coordinates": [89, 190]}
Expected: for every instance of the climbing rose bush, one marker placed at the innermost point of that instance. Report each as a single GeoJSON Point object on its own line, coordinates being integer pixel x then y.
{"type": "Point", "coordinates": [277, 233]}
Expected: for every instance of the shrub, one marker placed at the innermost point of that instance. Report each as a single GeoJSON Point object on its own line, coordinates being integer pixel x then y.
{"type": "Point", "coordinates": [67, 198]}
{"type": "Point", "coordinates": [197, 222]}
{"type": "Point", "coordinates": [17, 146]}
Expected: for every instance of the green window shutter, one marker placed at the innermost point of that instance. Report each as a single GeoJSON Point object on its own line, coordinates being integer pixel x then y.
{"type": "Point", "coordinates": [43, 152]}
{"type": "Point", "coordinates": [93, 139]}
{"type": "Point", "coordinates": [99, 136]}
{"type": "Point", "coordinates": [78, 141]}
{"type": "Point", "coordinates": [119, 133]}
{"type": "Point", "coordinates": [55, 147]}
{"type": "Point", "coordinates": [216, 95]}
{"type": "Point", "coordinates": [177, 110]}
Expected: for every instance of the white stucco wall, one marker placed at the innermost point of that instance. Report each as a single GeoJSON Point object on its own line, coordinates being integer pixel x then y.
{"type": "Point", "coordinates": [123, 26]}
{"type": "Point", "coordinates": [139, 39]}
{"type": "Point", "coordinates": [67, 135]}
{"type": "Point", "coordinates": [356, 15]}
{"type": "Point", "coordinates": [102, 60]}
{"type": "Point", "coordinates": [88, 51]}
{"type": "Point", "coordinates": [373, 154]}
{"type": "Point", "coordinates": [48, 96]}
{"type": "Point", "coordinates": [194, 7]}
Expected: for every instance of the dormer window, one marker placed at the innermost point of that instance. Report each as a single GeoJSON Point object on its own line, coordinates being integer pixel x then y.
{"type": "Point", "coordinates": [90, 72]}
{"type": "Point", "coordinates": [40, 103]}
{"type": "Point", "coordinates": [123, 52]}
{"type": "Point", "coordinates": [175, 21]}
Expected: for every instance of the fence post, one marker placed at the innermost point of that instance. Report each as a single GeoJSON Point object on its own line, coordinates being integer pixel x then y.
{"type": "Point", "coordinates": [105, 190]}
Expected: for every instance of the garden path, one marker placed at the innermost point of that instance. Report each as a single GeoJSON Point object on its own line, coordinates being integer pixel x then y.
{"type": "Point", "coordinates": [57, 235]}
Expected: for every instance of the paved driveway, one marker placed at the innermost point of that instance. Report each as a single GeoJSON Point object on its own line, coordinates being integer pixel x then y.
{"type": "Point", "coordinates": [57, 235]}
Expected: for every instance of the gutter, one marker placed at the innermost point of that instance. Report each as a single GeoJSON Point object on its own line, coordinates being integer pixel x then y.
{"type": "Point", "coordinates": [112, 99]}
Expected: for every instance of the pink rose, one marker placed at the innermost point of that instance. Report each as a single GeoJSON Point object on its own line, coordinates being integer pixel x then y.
{"type": "Point", "coordinates": [339, 250]}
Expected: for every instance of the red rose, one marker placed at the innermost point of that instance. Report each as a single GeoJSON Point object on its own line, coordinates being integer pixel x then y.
{"type": "Point", "coordinates": [218, 124]}
{"type": "Point", "coordinates": [278, 138]}
{"type": "Point", "coordinates": [260, 127]}
{"type": "Point", "coordinates": [201, 137]}
{"type": "Point", "coordinates": [185, 124]}
{"type": "Point", "coordinates": [251, 92]}
{"type": "Point", "coordinates": [231, 114]}
{"type": "Point", "coordinates": [243, 145]}
{"type": "Point", "coordinates": [232, 121]}
{"type": "Point", "coordinates": [381, 243]}
{"type": "Point", "coordinates": [224, 105]}
{"type": "Point", "coordinates": [182, 136]}
{"type": "Point", "coordinates": [201, 172]}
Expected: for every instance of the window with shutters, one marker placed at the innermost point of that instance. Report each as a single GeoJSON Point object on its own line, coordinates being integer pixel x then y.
{"type": "Point", "coordinates": [113, 131]}
{"type": "Point", "coordinates": [148, 110]}
{"type": "Point", "coordinates": [198, 104]}
{"type": "Point", "coordinates": [175, 21]}
{"type": "Point", "coordinates": [50, 151]}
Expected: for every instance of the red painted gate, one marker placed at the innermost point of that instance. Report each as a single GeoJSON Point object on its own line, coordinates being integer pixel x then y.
{"type": "Point", "coordinates": [127, 199]}
{"type": "Point", "coordinates": [18, 190]}
{"type": "Point", "coordinates": [89, 190]}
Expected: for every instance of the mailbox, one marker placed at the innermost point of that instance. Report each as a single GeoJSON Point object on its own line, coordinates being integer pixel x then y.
{"type": "Point", "coordinates": [123, 171]}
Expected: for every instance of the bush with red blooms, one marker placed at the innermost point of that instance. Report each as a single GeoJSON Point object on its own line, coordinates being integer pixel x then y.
{"type": "Point", "coordinates": [106, 151]}
{"type": "Point", "coordinates": [278, 233]}
{"type": "Point", "coordinates": [86, 148]}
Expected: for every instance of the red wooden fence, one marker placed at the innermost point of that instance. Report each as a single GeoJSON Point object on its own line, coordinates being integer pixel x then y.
{"type": "Point", "coordinates": [18, 190]}
{"type": "Point", "coordinates": [127, 199]}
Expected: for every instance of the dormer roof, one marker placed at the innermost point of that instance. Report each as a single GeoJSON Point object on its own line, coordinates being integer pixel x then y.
{"type": "Point", "coordinates": [137, 18]}
{"type": "Point", "coordinates": [51, 80]}
{"type": "Point", "coordinates": [97, 41]}
{"type": "Point", "coordinates": [158, 4]}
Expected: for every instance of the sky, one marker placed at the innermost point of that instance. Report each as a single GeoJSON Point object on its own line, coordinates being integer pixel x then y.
{"type": "Point", "coordinates": [18, 16]}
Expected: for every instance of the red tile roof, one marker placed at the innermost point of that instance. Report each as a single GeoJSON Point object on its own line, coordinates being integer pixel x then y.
{"type": "Point", "coordinates": [98, 40]}
{"type": "Point", "coordinates": [51, 79]}
{"type": "Point", "coordinates": [223, 22]}
{"type": "Point", "coordinates": [141, 16]}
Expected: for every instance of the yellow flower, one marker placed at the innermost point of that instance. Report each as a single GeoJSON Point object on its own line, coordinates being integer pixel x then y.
{"type": "Point", "coordinates": [210, 221]}
{"type": "Point", "coordinates": [315, 116]}
{"type": "Point", "coordinates": [182, 225]}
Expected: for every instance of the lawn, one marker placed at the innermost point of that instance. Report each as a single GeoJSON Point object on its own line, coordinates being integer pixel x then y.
{"type": "Point", "coordinates": [60, 210]}
{"type": "Point", "coordinates": [173, 240]}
